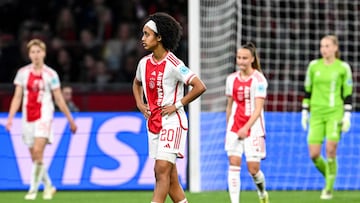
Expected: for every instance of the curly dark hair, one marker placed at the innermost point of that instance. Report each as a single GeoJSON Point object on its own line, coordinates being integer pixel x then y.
{"type": "Point", "coordinates": [168, 28]}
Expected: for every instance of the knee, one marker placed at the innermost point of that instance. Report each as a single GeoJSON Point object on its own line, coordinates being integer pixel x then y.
{"type": "Point", "coordinates": [314, 155]}
{"type": "Point", "coordinates": [234, 160]}
{"type": "Point", "coordinates": [253, 170]}
{"type": "Point", "coordinates": [37, 155]}
{"type": "Point", "coordinates": [162, 171]}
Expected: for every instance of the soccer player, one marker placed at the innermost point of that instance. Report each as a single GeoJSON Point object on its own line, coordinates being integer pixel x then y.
{"type": "Point", "coordinates": [36, 83]}
{"type": "Point", "coordinates": [161, 76]}
{"type": "Point", "coordinates": [67, 92]}
{"type": "Point", "coordinates": [245, 134]}
{"type": "Point", "coordinates": [328, 91]}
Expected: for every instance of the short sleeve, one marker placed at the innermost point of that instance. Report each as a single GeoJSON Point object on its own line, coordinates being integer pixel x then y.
{"type": "Point", "coordinates": [54, 81]}
{"type": "Point", "coordinates": [229, 85]}
{"type": "Point", "coordinates": [19, 78]}
{"type": "Point", "coordinates": [184, 73]}
{"type": "Point", "coordinates": [261, 88]}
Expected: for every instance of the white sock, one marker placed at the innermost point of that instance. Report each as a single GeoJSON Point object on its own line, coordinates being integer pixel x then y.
{"type": "Point", "coordinates": [36, 176]}
{"type": "Point", "coordinates": [183, 201]}
{"type": "Point", "coordinates": [46, 178]}
{"type": "Point", "coordinates": [234, 183]}
{"type": "Point", "coordinates": [259, 180]}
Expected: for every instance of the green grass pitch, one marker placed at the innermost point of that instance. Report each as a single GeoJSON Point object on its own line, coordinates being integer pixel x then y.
{"type": "Point", "coordinates": [203, 197]}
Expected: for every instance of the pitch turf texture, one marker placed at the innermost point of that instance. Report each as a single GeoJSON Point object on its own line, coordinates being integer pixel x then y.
{"type": "Point", "coordinates": [203, 197]}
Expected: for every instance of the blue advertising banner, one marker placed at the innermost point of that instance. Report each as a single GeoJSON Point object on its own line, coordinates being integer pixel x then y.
{"type": "Point", "coordinates": [108, 152]}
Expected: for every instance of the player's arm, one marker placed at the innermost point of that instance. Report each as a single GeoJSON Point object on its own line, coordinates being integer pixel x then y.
{"type": "Point", "coordinates": [14, 105]}
{"type": "Point", "coordinates": [138, 96]}
{"type": "Point", "coordinates": [198, 87]}
{"type": "Point", "coordinates": [259, 105]}
{"type": "Point", "coordinates": [60, 102]}
{"type": "Point", "coordinates": [229, 104]}
{"type": "Point", "coordinates": [347, 88]}
{"type": "Point", "coordinates": [306, 99]}
{"type": "Point", "coordinates": [307, 90]}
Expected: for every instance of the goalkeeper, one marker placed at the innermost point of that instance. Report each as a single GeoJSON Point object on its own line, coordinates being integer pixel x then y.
{"type": "Point", "coordinates": [328, 91]}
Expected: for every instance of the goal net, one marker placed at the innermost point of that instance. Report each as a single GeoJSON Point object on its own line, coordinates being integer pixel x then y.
{"type": "Point", "coordinates": [287, 34]}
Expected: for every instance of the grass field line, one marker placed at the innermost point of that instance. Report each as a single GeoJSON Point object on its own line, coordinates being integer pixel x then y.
{"type": "Point", "coordinates": [202, 197]}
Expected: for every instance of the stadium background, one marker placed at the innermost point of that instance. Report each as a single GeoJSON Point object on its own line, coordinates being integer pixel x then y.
{"type": "Point", "coordinates": [84, 48]}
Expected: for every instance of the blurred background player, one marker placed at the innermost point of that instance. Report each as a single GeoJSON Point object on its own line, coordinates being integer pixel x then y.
{"type": "Point", "coordinates": [67, 92]}
{"type": "Point", "coordinates": [36, 83]}
{"type": "Point", "coordinates": [161, 77]}
{"type": "Point", "coordinates": [246, 93]}
{"type": "Point", "coordinates": [328, 91]}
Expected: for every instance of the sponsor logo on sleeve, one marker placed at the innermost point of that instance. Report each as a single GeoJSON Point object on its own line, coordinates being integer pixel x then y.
{"type": "Point", "coordinates": [261, 88]}
{"type": "Point", "coordinates": [184, 70]}
{"type": "Point", "coordinates": [55, 81]}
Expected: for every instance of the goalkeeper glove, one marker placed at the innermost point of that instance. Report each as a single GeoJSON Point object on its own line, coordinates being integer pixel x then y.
{"type": "Point", "coordinates": [346, 122]}
{"type": "Point", "coordinates": [304, 118]}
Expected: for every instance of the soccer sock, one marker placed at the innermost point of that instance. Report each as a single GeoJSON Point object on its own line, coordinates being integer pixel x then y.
{"type": "Point", "coordinates": [331, 171]}
{"type": "Point", "coordinates": [46, 178]}
{"type": "Point", "coordinates": [183, 201]}
{"type": "Point", "coordinates": [259, 180]}
{"type": "Point", "coordinates": [36, 174]}
{"type": "Point", "coordinates": [234, 183]}
{"type": "Point", "coordinates": [320, 164]}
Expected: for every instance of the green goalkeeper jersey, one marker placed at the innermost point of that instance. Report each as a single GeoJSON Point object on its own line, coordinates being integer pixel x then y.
{"type": "Point", "coordinates": [328, 85]}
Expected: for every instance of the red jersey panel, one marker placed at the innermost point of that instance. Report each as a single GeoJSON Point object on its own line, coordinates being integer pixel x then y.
{"type": "Point", "coordinates": [163, 84]}
{"type": "Point", "coordinates": [244, 93]}
{"type": "Point", "coordinates": [37, 92]}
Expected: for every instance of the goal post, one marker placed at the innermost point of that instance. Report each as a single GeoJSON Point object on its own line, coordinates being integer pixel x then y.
{"type": "Point", "coordinates": [213, 38]}
{"type": "Point", "coordinates": [195, 106]}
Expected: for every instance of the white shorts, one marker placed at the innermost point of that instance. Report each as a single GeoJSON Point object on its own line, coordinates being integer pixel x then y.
{"type": "Point", "coordinates": [253, 146]}
{"type": "Point", "coordinates": [38, 128]}
{"type": "Point", "coordinates": [170, 143]}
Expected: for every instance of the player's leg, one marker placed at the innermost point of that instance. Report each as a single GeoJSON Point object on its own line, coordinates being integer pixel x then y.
{"type": "Point", "coordinates": [162, 170]}
{"type": "Point", "coordinates": [49, 189]}
{"type": "Point", "coordinates": [331, 172]}
{"type": "Point", "coordinates": [255, 151]}
{"type": "Point", "coordinates": [234, 182]}
{"type": "Point", "coordinates": [43, 134]}
{"type": "Point", "coordinates": [37, 172]}
{"type": "Point", "coordinates": [333, 137]}
{"type": "Point", "coordinates": [315, 139]}
{"type": "Point", "coordinates": [153, 143]}
{"type": "Point", "coordinates": [234, 148]}
{"type": "Point", "coordinates": [317, 159]}
{"type": "Point", "coordinates": [176, 191]}
{"type": "Point", "coordinates": [259, 180]}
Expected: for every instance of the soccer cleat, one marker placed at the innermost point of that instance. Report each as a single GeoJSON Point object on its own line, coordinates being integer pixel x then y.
{"type": "Point", "coordinates": [49, 193]}
{"type": "Point", "coordinates": [31, 195]}
{"type": "Point", "coordinates": [326, 194]}
{"type": "Point", "coordinates": [264, 198]}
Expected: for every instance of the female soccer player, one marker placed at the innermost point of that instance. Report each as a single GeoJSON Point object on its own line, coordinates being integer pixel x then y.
{"type": "Point", "coordinates": [36, 83]}
{"type": "Point", "coordinates": [328, 90]}
{"type": "Point", "coordinates": [246, 92]}
{"type": "Point", "coordinates": [161, 76]}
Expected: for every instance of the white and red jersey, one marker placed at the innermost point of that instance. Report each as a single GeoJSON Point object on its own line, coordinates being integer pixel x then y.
{"type": "Point", "coordinates": [244, 93]}
{"type": "Point", "coordinates": [163, 84]}
{"type": "Point", "coordinates": [37, 92]}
